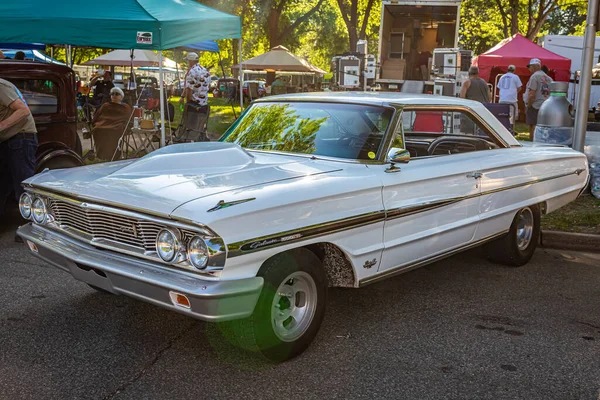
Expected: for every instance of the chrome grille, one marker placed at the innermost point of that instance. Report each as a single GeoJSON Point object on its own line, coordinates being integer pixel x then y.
{"type": "Point", "coordinates": [105, 225]}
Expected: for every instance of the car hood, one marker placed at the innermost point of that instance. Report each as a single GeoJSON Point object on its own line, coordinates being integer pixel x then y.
{"type": "Point", "coordinates": [167, 178]}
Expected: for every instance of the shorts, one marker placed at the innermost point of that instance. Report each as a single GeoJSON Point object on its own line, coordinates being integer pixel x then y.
{"type": "Point", "coordinates": [531, 116]}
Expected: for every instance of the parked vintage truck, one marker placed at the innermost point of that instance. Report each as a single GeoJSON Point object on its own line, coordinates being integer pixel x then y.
{"type": "Point", "coordinates": [409, 32]}
{"type": "Point", "coordinates": [50, 92]}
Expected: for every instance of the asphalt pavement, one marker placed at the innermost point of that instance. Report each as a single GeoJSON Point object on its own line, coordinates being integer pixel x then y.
{"type": "Point", "coordinates": [462, 328]}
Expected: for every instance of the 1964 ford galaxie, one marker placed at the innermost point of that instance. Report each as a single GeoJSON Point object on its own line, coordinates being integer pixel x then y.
{"type": "Point", "coordinates": [302, 193]}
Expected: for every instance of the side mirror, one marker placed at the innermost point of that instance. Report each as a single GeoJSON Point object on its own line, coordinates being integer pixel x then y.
{"type": "Point", "coordinates": [396, 155]}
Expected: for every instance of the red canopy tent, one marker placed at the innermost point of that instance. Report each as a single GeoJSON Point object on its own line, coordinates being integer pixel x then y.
{"type": "Point", "coordinates": [518, 50]}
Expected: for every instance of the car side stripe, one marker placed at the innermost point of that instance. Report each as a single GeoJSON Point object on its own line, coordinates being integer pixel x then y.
{"type": "Point", "coordinates": [326, 228]}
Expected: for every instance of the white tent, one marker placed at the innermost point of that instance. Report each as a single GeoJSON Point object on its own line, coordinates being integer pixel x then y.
{"type": "Point", "coordinates": [141, 58]}
{"type": "Point", "coordinates": [280, 59]}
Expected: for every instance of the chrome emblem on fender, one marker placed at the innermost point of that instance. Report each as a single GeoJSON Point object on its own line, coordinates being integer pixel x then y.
{"type": "Point", "coordinates": [222, 204]}
{"type": "Point", "coordinates": [368, 264]}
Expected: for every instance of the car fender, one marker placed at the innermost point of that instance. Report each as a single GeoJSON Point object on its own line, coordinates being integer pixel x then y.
{"type": "Point", "coordinates": [52, 154]}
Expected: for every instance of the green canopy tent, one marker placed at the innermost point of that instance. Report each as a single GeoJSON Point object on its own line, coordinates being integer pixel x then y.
{"type": "Point", "coordinates": [117, 24]}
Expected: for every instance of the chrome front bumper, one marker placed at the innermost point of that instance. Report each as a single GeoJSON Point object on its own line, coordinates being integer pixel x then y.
{"type": "Point", "coordinates": [210, 300]}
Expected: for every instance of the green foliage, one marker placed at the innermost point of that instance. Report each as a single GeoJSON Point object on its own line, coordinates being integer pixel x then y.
{"type": "Point", "coordinates": [324, 33]}
{"type": "Point", "coordinates": [276, 127]}
{"type": "Point", "coordinates": [485, 22]}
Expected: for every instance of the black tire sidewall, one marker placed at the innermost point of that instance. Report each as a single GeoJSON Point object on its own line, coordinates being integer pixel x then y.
{"type": "Point", "coordinates": [274, 273]}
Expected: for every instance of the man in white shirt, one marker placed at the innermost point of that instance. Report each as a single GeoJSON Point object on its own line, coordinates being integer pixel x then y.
{"type": "Point", "coordinates": [510, 85]}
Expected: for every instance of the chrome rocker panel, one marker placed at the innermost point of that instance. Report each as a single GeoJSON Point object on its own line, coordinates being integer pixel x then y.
{"type": "Point", "coordinates": [210, 300]}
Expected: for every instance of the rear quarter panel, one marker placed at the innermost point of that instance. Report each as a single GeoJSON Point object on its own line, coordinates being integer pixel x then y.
{"type": "Point", "coordinates": [517, 177]}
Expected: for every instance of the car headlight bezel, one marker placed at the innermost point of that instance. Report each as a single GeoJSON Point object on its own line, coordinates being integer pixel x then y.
{"type": "Point", "coordinates": [175, 237]}
{"type": "Point", "coordinates": [197, 253]}
{"type": "Point", "coordinates": [42, 208]}
{"type": "Point", "coordinates": [25, 197]}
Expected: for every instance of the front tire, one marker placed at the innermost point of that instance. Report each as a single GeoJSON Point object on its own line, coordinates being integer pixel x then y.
{"type": "Point", "coordinates": [517, 247]}
{"type": "Point", "coordinates": [290, 308]}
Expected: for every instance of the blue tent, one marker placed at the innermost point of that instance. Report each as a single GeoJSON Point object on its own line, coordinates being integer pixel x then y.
{"type": "Point", "coordinates": [207, 45]}
{"type": "Point", "coordinates": [116, 24]}
{"type": "Point", "coordinates": [23, 46]}
{"type": "Point", "coordinates": [32, 55]}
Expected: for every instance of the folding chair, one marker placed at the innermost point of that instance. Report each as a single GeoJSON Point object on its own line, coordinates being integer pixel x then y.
{"type": "Point", "coordinates": [193, 125]}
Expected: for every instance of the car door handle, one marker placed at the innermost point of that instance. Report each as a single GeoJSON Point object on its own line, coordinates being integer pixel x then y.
{"type": "Point", "coordinates": [476, 175]}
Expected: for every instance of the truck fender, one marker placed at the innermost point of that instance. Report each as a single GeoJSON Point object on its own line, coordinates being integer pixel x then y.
{"type": "Point", "coordinates": [57, 158]}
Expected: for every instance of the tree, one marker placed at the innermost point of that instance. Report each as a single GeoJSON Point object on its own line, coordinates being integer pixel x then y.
{"type": "Point", "coordinates": [484, 23]}
{"type": "Point", "coordinates": [279, 25]}
{"type": "Point", "coordinates": [356, 20]}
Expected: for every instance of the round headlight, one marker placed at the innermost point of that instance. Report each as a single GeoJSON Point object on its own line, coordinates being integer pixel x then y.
{"type": "Point", "coordinates": [198, 252]}
{"type": "Point", "coordinates": [25, 205]}
{"type": "Point", "coordinates": [38, 210]}
{"type": "Point", "coordinates": [167, 245]}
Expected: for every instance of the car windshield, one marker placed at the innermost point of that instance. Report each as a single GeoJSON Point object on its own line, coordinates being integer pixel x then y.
{"type": "Point", "coordinates": [350, 131]}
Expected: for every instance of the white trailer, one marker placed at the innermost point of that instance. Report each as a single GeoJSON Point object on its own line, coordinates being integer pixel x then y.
{"type": "Point", "coordinates": [571, 47]}
{"type": "Point", "coordinates": [409, 31]}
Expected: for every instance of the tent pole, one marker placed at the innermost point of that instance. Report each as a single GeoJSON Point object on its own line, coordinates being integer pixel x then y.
{"type": "Point", "coordinates": [585, 82]}
{"type": "Point", "coordinates": [241, 76]}
{"type": "Point", "coordinates": [162, 99]}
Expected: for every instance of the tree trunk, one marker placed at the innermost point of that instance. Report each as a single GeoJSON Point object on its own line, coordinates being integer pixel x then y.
{"type": "Point", "coordinates": [273, 27]}
{"type": "Point", "coordinates": [353, 38]}
{"type": "Point", "coordinates": [234, 52]}
{"type": "Point", "coordinates": [514, 20]}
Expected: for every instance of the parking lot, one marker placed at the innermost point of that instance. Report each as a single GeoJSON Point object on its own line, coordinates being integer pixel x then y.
{"type": "Point", "coordinates": [462, 328]}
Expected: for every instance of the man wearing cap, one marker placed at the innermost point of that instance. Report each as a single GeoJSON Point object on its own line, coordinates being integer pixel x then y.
{"type": "Point", "coordinates": [538, 90]}
{"type": "Point", "coordinates": [197, 81]}
{"type": "Point", "coordinates": [475, 88]}
{"type": "Point", "coordinates": [510, 84]}
{"type": "Point", "coordinates": [18, 141]}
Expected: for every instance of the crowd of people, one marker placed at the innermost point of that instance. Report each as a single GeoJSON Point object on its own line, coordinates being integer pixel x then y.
{"type": "Point", "coordinates": [537, 91]}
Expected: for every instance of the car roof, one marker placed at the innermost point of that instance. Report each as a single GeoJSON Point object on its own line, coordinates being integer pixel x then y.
{"type": "Point", "coordinates": [376, 98]}
{"type": "Point", "coordinates": [33, 65]}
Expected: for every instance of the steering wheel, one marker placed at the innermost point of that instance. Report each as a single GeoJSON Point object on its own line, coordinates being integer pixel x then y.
{"type": "Point", "coordinates": [474, 142]}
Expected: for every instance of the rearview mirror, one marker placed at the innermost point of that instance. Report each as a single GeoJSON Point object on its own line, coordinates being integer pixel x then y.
{"type": "Point", "coordinates": [397, 155]}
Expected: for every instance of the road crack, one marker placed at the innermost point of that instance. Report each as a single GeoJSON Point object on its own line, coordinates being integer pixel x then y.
{"type": "Point", "coordinates": [151, 364]}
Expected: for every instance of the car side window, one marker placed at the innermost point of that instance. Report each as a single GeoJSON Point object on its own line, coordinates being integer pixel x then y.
{"type": "Point", "coordinates": [435, 132]}
{"type": "Point", "coordinates": [41, 95]}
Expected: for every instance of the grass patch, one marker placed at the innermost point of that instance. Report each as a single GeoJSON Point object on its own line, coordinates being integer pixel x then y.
{"type": "Point", "coordinates": [522, 131]}
{"type": "Point", "coordinates": [582, 216]}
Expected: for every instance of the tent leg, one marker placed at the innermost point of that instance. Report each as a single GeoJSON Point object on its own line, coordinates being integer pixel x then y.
{"type": "Point", "coordinates": [241, 76]}
{"type": "Point", "coordinates": [162, 99]}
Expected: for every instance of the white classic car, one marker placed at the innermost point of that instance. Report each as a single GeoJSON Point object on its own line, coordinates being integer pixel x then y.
{"type": "Point", "coordinates": [302, 193]}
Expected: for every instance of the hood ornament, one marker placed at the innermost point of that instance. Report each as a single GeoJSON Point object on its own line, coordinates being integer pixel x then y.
{"type": "Point", "coordinates": [222, 204]}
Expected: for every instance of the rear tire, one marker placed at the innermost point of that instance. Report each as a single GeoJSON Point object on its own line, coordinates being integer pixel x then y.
{"type": "Point", "coordinates": [517, 247]}
{"type": "Point", "coordinates": [290, 308]}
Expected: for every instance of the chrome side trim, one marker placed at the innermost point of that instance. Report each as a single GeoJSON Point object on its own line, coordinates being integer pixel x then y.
{"type": "Point", "coordinates": [309, 232]}
{"type": "Point", "coordinates": [399, 212]}
{"type": "Point", "coordinates": [409, 267]}
{"type": "Point", "coordinates": [281, 238]}
{"type": "Point", "coordinates": [531, 182]}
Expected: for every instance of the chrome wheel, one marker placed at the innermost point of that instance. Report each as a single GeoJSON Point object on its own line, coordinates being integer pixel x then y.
{"type": "Point", "coordinates": [294, 306]}
{"type": "Point", "coordinates": [524, 228]}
